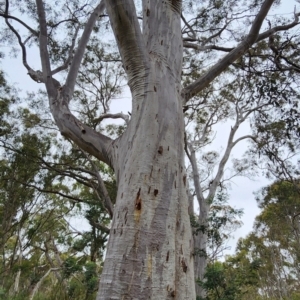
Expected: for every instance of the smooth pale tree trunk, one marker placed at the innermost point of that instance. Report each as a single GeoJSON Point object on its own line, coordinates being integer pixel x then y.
{"type": "Point", "coordinates": [149, 253]}
{"type": "Point", "coordinates": [150, 248]}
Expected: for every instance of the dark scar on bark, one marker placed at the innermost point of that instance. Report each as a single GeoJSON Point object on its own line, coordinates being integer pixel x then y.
{"type": "Point", "coordinates": [138, 200]}
{"type": "Point", "coordinates": [184, 266]}
{"type": "Point", "coordinates": [155, 192]}
{"type": "Point", "coordinates": [160, 150]}
{"type": "Point", "coordinates": [167, 258]}
{"type": "Point", "coordinates": [184, 180]}
{"type": "Point", "coordinates": [148, 12]}
{"type": "Point", "coordinates": [125, 217]}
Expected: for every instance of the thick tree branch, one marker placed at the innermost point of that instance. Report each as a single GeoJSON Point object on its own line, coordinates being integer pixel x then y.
{"type": "Point", "coordinates": [216, 70]}
{"type": "Point", "coordinates": [85, 137]}
{"type": "Point", "coordinates": [44, 54]}
{"type": "Point", "coordinates": [124, 21]}
{"type": "Point", "coordinates": [76, 62]}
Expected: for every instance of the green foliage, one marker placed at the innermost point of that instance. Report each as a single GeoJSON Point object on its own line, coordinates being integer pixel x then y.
{"type": "Point", "coordinates": [265, 265]}
{"type": "Point", "coordinates": [222, 221]}
{"type": "Point", "coordinates": [41, 190]}
{"type": "Point", "coordinates": [71, 266]}
{"type": "Point", "coordinates": [227, 281]}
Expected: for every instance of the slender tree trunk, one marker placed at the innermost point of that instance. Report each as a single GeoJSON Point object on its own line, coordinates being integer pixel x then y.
{"type": "Point", "coordinates": [200, 241]}
{"type": "Point", "coordinates": [18, 275]}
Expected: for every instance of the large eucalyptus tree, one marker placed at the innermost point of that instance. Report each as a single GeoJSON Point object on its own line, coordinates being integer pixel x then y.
{"type": "Point", "coordinates": [150, 252]}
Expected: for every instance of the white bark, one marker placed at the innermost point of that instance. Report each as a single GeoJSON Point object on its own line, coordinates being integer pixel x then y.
{"type": "Point", "coordinates": [18, 275]}
{"type": "Point", "coordinates": [37, 286]}
{"type": "Point", "coordinates": [149, 253]}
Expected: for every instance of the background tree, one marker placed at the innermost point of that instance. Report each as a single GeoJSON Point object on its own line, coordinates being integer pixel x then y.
{"type": "Point", "coordinates": [266, 262]}
{"type": "Point", "coordinates": [41, 190]}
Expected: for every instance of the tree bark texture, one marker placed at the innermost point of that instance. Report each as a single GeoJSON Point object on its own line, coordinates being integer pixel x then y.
{"type": "Point", "coordinates": [149, 253]}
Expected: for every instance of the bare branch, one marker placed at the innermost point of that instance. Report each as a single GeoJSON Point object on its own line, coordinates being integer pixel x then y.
{"type": "Point", "coordinates": [38, 284]}
{"type": "Point", "coordinates": [76, 62]}
{"type": "Point", "coordinates": [46, 68]}
{"type": "Point", "coordinates": [72, 198]}
{"type": "Point", "coordinates": [243, 138]}
{"type": "Point", "coordinates": [113, 116]}
{"type": "Point", "coordinates": [85, 137]}
{"type": "Point", "coordinates": [7, 16]}
{"type": "Point", "coordinates": [33, 74]}
{"type": "Point", "coordinates": [216, 70]}
{"type": "Point", "coordinates": [70, 56]}
{"type": "Point", "coordinates": [188, 26]}
{"type": "Point", "coordinates": [220, 172]}
{"type": "Point", "coordinates": [196, 177]}
{"type": "Point", "coordinates": [102, 188]}
{"type": "Point", "coordinates": [204, 48]}
{"type": "Point", "coordinates": [275, 29]}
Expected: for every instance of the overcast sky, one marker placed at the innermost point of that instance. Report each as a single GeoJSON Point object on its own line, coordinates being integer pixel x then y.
{"type": "Point", "coordinates": [241, 192]}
